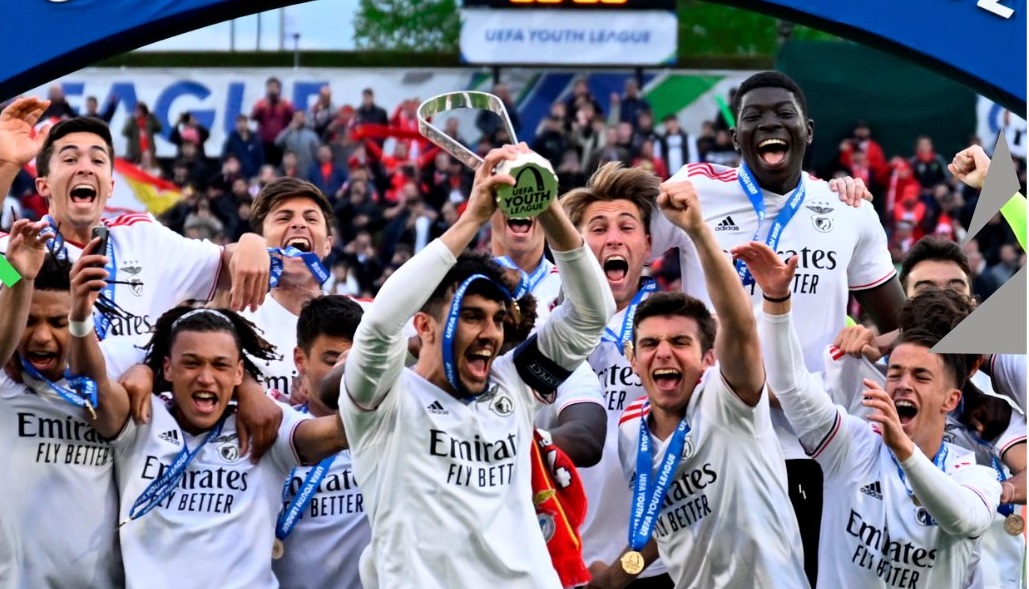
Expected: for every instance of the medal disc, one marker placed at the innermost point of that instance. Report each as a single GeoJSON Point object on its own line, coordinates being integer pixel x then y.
{"type": "Point", "coordinates": [1014, 524]}
{"type": "Point", "coordinates": [632, 562]}
{"type": "Point", "coordinates": [278, 549]}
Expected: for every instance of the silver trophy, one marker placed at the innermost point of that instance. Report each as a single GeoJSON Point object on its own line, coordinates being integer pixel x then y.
{"type": "Point", "coordinates": [535, 181]}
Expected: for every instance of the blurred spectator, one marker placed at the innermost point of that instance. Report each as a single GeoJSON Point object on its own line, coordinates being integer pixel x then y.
{"type": "Point", "coordinates": [244, 145]}
{"type": "Point", "coordinates": [321, 113]}
{"type": "Point", "coordinates": [611, 151]}
{"type": "Point", "coordinates": [626, 139]}
{"type": "Point", "coordinates": [59, 107]}
{"type": "Point", "coordinates": [148, 163]}
{"type": "Point", "coordinates": [364, 261]}
{"type": "Point", "coordinates": [722, 150]}
{"type": "Point", "coordinates": [301, 140]}
{"type": "Point", "coordinates": [901, 241]}
{"type": "Point", "coordinates": [705, 141]}
{"type": "Point", "coordinates": [92, 108]}
{"type": "Point", "coordinates": [676, 147]}
{"type": "Point", "coordinates": [644, 130]}
{"type": "Point", "coordinates": [266, 175]}
{"type": "Point", "coordinates": [551, 142]}
{"type": "Point", "coordinates": [272, 114]}
{"type": "Point", "coordinates": [175, 217]}
{"type": "Point", "coordinates": [630, 104]}
{"type": "Point", "coordinates": [579, 99]}
{"type": "Point", "coordinates": [446, 180]}
{"type": "Point", "coordinates": [189, 130]}
{"type": "Point", "coordinates": [326, 175]}
{"type": "Point", "coordinates": [289, 166]}
{"type": "Point", "coordinates": [140, 131]}
{"type": "Point", "coordinates": [874, 157]}
{"type": "Point", "coordinates": [569, 172]}
{"type": "Point", "coordinates": [222, 182]}
{"type": "Point", "coordinates": [720, 123]}
{"type": "Point", "coordinates": [452, 128]}
{"type": "Point", "coordinates": [1008, 264]}
{"type": "Point", "coordinates": [648, 161]}
{"type": "Point", "coordinates": [356, 211]}
{"type": "Point", "coordinates": [408, 222]}
{"type": "Point", "coordinates": [370, 113]}
{"type": "Point", "coordinates": [489, 122]}
{"type": "Point", "coordinates": [242, 224]}
{"type": "Point", "coordinates": [343, 281]}
{"type": "Point", "coordinates": [929, 167]}
{"type": "Point", "coordinates": [982, 283]}
{"type": "Point", "coordinates": [913, 211]}
{"type": "Point", "coordinates": [196, 173]}
{"type": "Point", "coordinates": [201, 223]}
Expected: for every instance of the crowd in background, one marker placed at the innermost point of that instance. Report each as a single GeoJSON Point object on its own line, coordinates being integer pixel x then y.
{"type": "Point", "coordinates": [393, 191]}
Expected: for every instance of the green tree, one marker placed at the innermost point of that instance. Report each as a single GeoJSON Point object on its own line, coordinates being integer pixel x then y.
{"type": "Point", "coordinates": [408, 25]}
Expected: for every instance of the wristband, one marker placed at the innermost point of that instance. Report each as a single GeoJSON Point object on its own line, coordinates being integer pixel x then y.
{"type": "Point", "coordinates": [542, 374]}
{"type": "Point", "coordinates": [777, 300]}
{"type": "Point", "coordinates": [80, 328]}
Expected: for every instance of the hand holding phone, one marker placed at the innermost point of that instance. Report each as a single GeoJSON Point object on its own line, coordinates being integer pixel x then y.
{"type": "Point", "coordinates": [102, 233]}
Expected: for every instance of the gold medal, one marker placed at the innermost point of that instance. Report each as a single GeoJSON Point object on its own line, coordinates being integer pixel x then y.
{"type": "Point", "coordinates": [1014, 524]}
{"type": "Point", "coordinates": [92, 412]}
{"type": "Point", "coordinates": [278, 549]}
{"type": "Point", "coordinates": [632, 562]}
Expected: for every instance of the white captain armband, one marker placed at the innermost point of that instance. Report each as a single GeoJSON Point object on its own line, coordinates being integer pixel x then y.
{"type": "Point", "coordinates": [542, 374]}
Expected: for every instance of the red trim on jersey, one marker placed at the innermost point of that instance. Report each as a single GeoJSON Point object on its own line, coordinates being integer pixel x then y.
{"type": "Point", "coordinates": [875, 283]}
{"type": "Point", "coordinates": [129, 219]}
{"type": "Point", "coordinates": [708, 171]}
{"type": "Point", "coordinates": [634, 410]}
{"type": "Point", "coordinates": [836, 353]}
{"type": "Point", "coordinates": [217, 274]}
{"type": "Point", "coordinates": [1011, 444]}
{"type": "Point", "coordinates": [829, 437]}
{"type": "Point", "coordinates": [981, 497]}
{"type": "Point", "coordinates": [361, 299]}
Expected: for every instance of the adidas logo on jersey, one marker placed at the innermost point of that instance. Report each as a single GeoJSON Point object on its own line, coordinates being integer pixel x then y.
{"type": "Point", "coordinates": [873, 490]}
{"type": "Point", "coordinates": [727, 224]}
{"type": "Point", "coordinates": [436, 408]}
{"type": "Point", "coordinates": [171, 435]}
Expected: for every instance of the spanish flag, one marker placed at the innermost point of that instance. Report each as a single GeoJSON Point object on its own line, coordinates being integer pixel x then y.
{"type": "Point", "coordinates": [136, 191]}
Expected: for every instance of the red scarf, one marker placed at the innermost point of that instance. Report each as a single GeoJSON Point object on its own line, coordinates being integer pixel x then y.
{"type": "Point", "coordinates": [560, 502]}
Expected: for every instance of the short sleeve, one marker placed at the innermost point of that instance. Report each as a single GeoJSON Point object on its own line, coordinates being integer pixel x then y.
{"type": "Point", "coordinates": [191, 266]}
{"type": "Point", "coordinates": [283, 453]}
{"type": "Point", "coordinates": [871, 264]}
{"type": "Point", "coordinates": [724, 408]}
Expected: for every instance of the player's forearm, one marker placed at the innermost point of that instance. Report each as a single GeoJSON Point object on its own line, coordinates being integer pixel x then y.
{"type": "Point", "coordinates": [573, 331]}
{"type": "Point", "coordinates": [15, 302]}
{"type": "Point", "coordinates": [380, 348]}
{"type": "Point", "coordinates": [457, 238]}
{"type": "Point", "coordinates": [561, 234]}
{"type": "Point", "coordinates": [957, 508]}
{"type": "Point", "coordinates": [807, 407]}
{"type": "Point", "coordinates": [317, 439]}
{"type": "Point", "coordinates": [731, 303]}
{"type": "Point", "coordinates": [85, 358]}
{"type": "Point", "coordinates": [1017, 490]}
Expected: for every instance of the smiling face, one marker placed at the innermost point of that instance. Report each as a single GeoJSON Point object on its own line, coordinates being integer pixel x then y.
{"type": "Point", "coordinates": [922, 389]}
{"type": "Point", "coordinates": [669, 360]}
{"type": "Point", "coordinates": [78, 182]}
{"type": "Point", "coordinates": [477, 340]}
{"type": "Point", "coordinates": [298, 222]}
{"type": "Point", "coordinates": [615, 232]}
{"type": "Point", "coordinates": [45, 340]}
{"type": "Point", "coordinates": [772, 135]}
{"type": "Point", "coordinates": [204, 368]}
{"type": "Point", "coordinates": [516, 238]}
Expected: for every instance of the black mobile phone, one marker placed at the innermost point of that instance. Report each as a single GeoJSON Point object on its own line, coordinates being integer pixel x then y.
{"type": "Point", "coordinates": [100, 232]}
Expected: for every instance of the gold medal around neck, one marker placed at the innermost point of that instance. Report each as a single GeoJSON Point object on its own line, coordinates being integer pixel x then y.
{"type": "Point", "coordinates": [278, 549]}
{"type": "Point", "coordinates": [632, 562]}
{"type": "Point", "coordinates": [1014, 524]}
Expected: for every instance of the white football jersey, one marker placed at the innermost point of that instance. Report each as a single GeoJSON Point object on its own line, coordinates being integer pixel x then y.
{"type": "Point", "coordinates": [841, 248]}
{"type": "Point", "coordinates": [325, 546]}
{"type": "Point", "coordinates": [872, 533]}
{"type": "Point", "coordinates": [60, 503]}
{"type": "Point", "coordinates": [605, 532]}
{"type": "Point", "coordinates": [547, 292]}
{"type": "Point", "coordinates": [163, 267]}
{"type": "Point", "coordinates": [725, 521]}
{"type": "Point", "coordinates": [279, 327]}
{"type": "Point", "coordinates": [216, 529]}
{"type": "Point", "coordinates": [580, 387]}
{"type": "Point", "coordinates": [425, 458]}
{"type": "Point", "coordinates": [1009, 377]}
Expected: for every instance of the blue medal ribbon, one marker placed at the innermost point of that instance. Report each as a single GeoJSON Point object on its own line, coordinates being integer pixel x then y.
{"type": "Point", "coordinates": [291, 514]}
{"type": "Point", "coordinates": [940, 460]}
{"type": "Point", "coordinates": [647, 286]}
{"type": "Point", "coordinates": [529, 282]}
{"type": "Point", "coordinates": [757, 200]}
{"type": "Point", "coordinates": [647, 499]}
{"type": "Point", "coordinates": [152, 496]}
{"type": "Point", "coordinates": [310, 259]}
{"type": "Point", "coordinates": [1007, 508]}
{"type": "Point", "coordinates": [55, 243]}
{"type": "Point", "coordinates": [80, 391]}
{"type": "Point", "coordinates": [450, 331]}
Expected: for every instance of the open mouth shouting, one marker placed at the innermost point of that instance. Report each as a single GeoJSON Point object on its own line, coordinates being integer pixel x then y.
{"type": "Point", "coordinates": [83, 194]}
{"type": "Point", "coordinates": [43, 361]}
{"type": "Point", "coordinates": [666, 379]}
{"type": "Point", "coordinates": [773, 152]}
{"type": "Point", "coordinates": [519, 226]}
{"type": "Point", "coordinates": [478, 361]}
{"type": "Point", "coordinates": [616, 268]}
{"type": "Point", "coordinates": [906, 411]}
{"type": "Point", "coordinates": [299, 242]}
{"type": "Point", "coordinates": [205, 402]}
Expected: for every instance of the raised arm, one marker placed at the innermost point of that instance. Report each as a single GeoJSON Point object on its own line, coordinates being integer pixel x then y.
{"type": "Point", "coordinates": [736, 344]}
{"type": "Point", "coordinates": [25, 253]}
{"type": "Point", "coordinates": [319, 438]}
{"type": "Point", "coordinates": [84, 354]}
{"type": "Point", "coordinates": [19, 142]}
{"type": "Point", "coordinates": [377, 356]}
{"type": "Point", "coordinates": [249, 270]}
{"type": "Point", "coordinates": [808, 408]}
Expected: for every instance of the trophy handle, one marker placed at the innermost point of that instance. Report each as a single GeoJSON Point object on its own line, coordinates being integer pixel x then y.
{"type": "Point", "coordinates": [452, 101]}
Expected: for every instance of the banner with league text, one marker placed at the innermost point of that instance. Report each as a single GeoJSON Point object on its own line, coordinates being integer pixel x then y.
{"type": "Point", "coordinates": [572, 37]}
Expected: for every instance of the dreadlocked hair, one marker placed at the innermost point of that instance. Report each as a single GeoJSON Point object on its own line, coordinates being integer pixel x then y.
{"type": "Point", "coordinates": [180, 319]}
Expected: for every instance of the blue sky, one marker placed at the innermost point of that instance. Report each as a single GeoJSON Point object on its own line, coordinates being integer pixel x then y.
{"type": "Point", "coordinates": [323, 25]}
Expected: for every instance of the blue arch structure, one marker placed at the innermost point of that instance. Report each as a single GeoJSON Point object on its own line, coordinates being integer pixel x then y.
{"type": "Point", "coordinates": [980, 43]}
{"type": "Point", "coordinates": [41, 40]}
